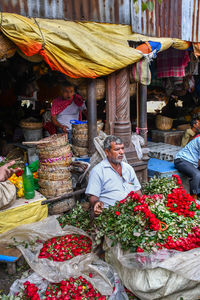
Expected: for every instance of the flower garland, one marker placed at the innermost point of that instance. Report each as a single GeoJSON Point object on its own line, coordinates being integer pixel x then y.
{"type": "Point", "coordinates": [65, 247]}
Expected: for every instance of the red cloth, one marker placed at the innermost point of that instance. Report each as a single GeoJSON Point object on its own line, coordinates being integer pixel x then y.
{"type": "Point", "coordinates": [172, 63]}
{"type": "Point", "coordinates": [59, 104]}
{"type": "Point", "coordinates": [50, 127]}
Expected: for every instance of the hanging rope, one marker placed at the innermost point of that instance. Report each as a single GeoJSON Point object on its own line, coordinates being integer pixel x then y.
{"type": "Point", "coordinates": [43, 39]}
{"type": "Point", "coordinates": [137, 128]}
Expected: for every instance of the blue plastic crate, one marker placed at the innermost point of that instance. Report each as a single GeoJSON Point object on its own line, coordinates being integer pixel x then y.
{"type": "Point", "coordinates": [161, 168]}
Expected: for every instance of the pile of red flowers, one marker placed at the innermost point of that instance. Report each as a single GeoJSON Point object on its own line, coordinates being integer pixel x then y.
{"type": "Point", "coordinates": [65, 247]}
{"type": "Point", "coordinates": [180, 202]}
{"type": "Point", "coordinates": [30, 292]}
{"type": "Point", "coordinates": [192, 241]}
{"type": "Point", "coordinates": [73, 288]}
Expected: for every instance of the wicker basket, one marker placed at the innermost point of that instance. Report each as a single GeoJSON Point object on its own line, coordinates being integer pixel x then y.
{"type": "Point", "coordinates": [55, 140]}
{"type": "Point", "coordinates": [82, 129]}
{"type": "Point", "coordinates": [54, 175]}
{"type": "Point", "coordinates": [51, 152]}
{"type": "Point", "coordinates": [133, 89]}
{"type": "Point", "coordinates": [80, 142]}
{"type": "Point", "coordinates": [80, 151]}
{"type": "Point", "coordinates": [30, 125]}
{"type": "Point", "coordinates": [49, 193]}
{"type": "Point", "coordinates": [55, 184]}
{"type": "Point", "coordinates": [100, 89]}
{"type": "Point", "coordinates": [163, 123]}
{"type": "Point", "coordinates": [61, 206]}
{"type": "Point", "coordinates": [56, 162]}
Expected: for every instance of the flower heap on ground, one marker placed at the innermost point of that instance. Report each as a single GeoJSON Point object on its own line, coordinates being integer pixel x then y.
{"type": "Point", "coordinates": [153, 222]}
{"type": "Point", "coordinates": [65, 247]}
{"type": "Point", "coordinates": [73, 288]}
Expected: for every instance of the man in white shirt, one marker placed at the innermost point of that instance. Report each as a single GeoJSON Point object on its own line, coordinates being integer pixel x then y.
{"type": "Point", "coordinates": [66, 108]}
{"type": "Point", "coordinates": [112, 179]}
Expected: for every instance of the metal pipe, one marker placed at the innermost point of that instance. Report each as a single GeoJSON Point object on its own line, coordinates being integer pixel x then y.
{"type": "Point", "coordinates": [92, 115]}
{"type": "Point", "coordinates": [64, 196]}
{"type": "Point", "coordinates": [143, 112]}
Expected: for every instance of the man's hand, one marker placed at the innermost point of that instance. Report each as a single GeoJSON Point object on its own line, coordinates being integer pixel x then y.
{"type": "Point", "coordinates": [5, 172]}
{"type": "Point", "coordinates": [64, 128]}
{"type": "Point", "coordinates": [98, 208]}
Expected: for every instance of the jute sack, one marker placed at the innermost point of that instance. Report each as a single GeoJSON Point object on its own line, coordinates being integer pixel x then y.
{"type": "Point", "coordinates": [7, 194]}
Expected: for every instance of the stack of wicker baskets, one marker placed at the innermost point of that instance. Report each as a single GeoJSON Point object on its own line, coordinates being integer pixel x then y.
{"type": "Point", "coordinates": [80, 137]}
{"type": "Point", "coordinates": [55, 159]}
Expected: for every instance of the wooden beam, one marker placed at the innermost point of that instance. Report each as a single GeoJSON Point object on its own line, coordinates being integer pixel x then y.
{"type": "Point", "coordinates": [92, 115]}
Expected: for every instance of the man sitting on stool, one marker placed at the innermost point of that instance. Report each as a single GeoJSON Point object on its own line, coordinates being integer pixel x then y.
{"type": "Point", "coordinates": [191, 132]}
{"type": "Point", "coordinates": [187, 161]}
{"type": "Point", "coordinates": [112, 179]}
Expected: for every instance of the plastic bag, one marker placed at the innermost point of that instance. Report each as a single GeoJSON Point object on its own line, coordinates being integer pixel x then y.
{"type": "Point", "coordinates": [166, 275]}
{"type": "Point", "coordinates": [42, 284]}
{"type": "Point", "coordinates": [51, 270]}
{"type": "Point", "coordinates": [138, 141]}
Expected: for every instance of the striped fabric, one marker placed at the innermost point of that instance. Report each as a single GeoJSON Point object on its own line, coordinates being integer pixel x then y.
{"type": "Point", "coordinates": [141, 72]}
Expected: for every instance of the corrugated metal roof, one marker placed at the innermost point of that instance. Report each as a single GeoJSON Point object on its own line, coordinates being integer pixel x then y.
{"type": "Point", "coordinates": [172, 18]}
{"type": "Point", "coordinates": [104, 11]}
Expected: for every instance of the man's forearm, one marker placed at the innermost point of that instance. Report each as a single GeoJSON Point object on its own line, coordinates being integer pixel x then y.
{"type": "Point", "coordinates": [55, 122]}
{"type": "Point", "coordinates": [93, 200]}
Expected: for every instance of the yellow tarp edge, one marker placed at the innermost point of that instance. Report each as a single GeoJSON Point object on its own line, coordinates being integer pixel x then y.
{"type": "Point", "coordinates": [79, 49]}
{"type": "Point", "coordinates": [24, 214]}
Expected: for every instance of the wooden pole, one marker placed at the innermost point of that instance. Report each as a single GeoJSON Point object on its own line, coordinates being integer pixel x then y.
{"type": "Point", "coordinates": [143, 112]}
{"type": "Point", "coordinates": [92, 115]}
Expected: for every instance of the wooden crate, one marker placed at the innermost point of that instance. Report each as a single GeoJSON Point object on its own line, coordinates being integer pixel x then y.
{"type": "Point", "coordinates": [172, 137]}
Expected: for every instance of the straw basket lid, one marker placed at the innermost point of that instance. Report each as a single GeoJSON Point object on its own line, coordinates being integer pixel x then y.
{"type": "Point", "coordinates": [100, 89]}
{"type": "Point", "coordinates": [31, 123]}
{"type": "Point", "coordinates": [163, 123]}
{"type": "Point", "coordinates": [54, 140]}
{"type": "Point", "coordinates": [7, 47]}
{"type": "Point", "coordinates": [51, 152]}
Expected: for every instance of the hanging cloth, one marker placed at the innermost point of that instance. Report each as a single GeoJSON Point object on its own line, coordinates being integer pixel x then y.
{"type": "Point", "coordinates": [141, 72]}
{"type": "Point", "coordinates": [172, 63]}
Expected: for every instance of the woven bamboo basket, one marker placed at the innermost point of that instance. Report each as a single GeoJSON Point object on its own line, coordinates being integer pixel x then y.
{"type": "Point", "coordinates": [51, 152]}
{"type": "Point", "coordinates": [80, 151]}
{"type": "Point", "coordinates": [49, 193]}
{"type": "Point", "coordinates": [54, 175]}
{"type": "Point", "coordinates": [163, 123]}
{"type": "Point", "coordinates": [55, 140]}
{"type": "Point", "coordinates": [55, 184]}
{"type": "Point", "coordinates": [82, 129]}
{"type": "Point", "coordinates": [56, 162]}
{"type": "Point", "coordinates": [30, 125]}
{"type": "Point", "coordinates": [100, 89]}
{"type": "Point", "coordinates": [133, 89]}
{"type": "Point", "coordinates": [61, 206]}
{"type": "Point", "coordinates": [80, 142]}
{"type": "Point", "coordinates": [7, 47]}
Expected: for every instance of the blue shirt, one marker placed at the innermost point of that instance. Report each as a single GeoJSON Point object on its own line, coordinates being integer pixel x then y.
{"type": "Point", "coordinates": [191, 152]}
{"type": "Point", "coordinates": [106, 184]}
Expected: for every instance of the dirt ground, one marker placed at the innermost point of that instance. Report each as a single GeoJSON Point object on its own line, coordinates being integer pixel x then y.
{"type": "Point", "coordinates": [6, 280]}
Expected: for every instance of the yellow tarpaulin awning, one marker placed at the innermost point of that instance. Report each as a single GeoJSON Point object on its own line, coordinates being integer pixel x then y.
{"type": "Point", "coordinates": [78, 49]}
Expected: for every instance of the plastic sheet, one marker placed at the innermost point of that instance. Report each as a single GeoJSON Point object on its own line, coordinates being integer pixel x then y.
{"type": "Point", "coordinates": [166, 275]}
{"type": "Point", "coordinates": [42, 284]}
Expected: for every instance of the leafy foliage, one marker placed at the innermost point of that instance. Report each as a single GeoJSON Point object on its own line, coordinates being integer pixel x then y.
{"type": "Point", "coordinates": [162, 186]}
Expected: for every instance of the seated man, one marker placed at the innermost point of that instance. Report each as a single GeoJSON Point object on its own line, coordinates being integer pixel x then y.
{"type": "Point", "coordinates": [191, 132]}
{"type": "Point", "coordinates": [111, 180]}
{"type": "Point", "coordinates": [187, 161]}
